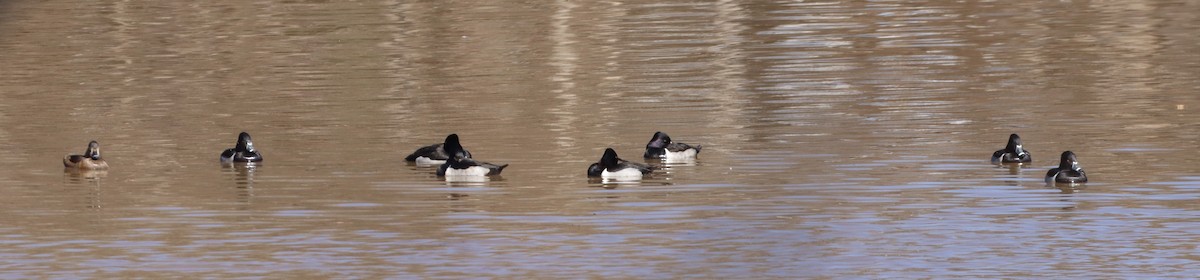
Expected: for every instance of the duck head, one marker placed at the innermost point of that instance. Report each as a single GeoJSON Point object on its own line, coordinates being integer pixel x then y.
{"type": "Point", "coordinates": [1014, 145]}
{"type": "Point", "coordinates": [453, 148]}
{"type": "Point", "coordinates": [244, 143]}
{"type": "Point", "coordinates": [659, 141]}
{"type": "Point", "coordinates": [93, 150]}
{"type": "Point", "coordinates": [609, 159]}
{"type": "Point", "coordinates": [1068, 161]}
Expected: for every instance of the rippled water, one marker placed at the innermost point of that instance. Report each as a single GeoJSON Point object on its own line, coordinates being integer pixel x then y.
{"type": "Point", "coordinates": [842, 139]}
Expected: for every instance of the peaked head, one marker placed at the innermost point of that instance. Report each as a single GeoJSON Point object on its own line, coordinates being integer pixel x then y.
{"type": "Point", "coordinates": [1014, 145]}
{"type": "Point", "coordinates": [93, 150]}
{"type": "Point", "coordinates": [659, 141]}
{"type": "Point", "coordinates": [1069, 161]}
{"type": "Point", "coordinates": [609, 159]}
{"type": "Point", "coordinates": [244, 143]}
{"type": "Point", "coordinates": [453, 148]}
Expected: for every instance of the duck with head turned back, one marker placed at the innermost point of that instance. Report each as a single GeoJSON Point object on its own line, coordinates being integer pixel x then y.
{"type": "Point", "coordinates": [610, 166]}
{"type": "Point", "coordinates": [1068, 171]}
{"type": "Point", "coordinates": [243, 152]}
{"type": "Point", "coordinates": [89, 160]}
{"type": "Point", "coordinates": [1014, 152]}
{"type": "Point", "coordinates": [460, 163]}
{"type": "Point", "coordinates": [660, 146]}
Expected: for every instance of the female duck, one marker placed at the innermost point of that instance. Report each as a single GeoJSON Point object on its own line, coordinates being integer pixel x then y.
{"type": "Point", "coordinates": [1068, 171]}
{"type": "Point", "coordinates": [1014, 152]}
{"type": "Point", "coordinates": [660, 146]}
{"type": "Point", "coordinates": [431, 155]}
{"type": "Point", "coordinates": [460, 163]}
{"type": "Point", "coordinates": [90, 160]}
{"type": "Point", "coordinates": [243, 152]}
{"type": "Point", "coordinates": [610, 166]}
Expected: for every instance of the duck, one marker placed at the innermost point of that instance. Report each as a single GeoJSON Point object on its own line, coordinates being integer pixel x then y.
{"type": "Point", "coordinates": [1068, 171]}
{"type": "Point", "coordinates": [610, 166]}
{"type": "Point", "coordinates": [431, 155]}
{"type": "Point", "coordinates": [460, 163]}
{"type": "Point", "coordinates": [243, 152]}
{"type": "Point", "coordinates": [89, 160]}
{"type": "Point", "coordinates": [1014, 152]}
{"type": "Point", "coordinates": [660, 146]}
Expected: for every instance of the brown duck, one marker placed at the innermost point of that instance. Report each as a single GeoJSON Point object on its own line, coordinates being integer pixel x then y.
{"type": "Point", "coordinates": [90, 160]}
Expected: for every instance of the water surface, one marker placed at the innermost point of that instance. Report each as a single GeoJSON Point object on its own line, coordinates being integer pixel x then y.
{"type": "Point", "coordinates": [842, 139]}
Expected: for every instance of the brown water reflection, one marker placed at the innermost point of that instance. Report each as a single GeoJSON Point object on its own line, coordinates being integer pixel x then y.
{"type": "Point", "coordinates": [842, 139]}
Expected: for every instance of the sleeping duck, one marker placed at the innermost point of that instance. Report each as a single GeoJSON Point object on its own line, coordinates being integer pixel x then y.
{"type": "Point", "coordinates": [460, 163]}
{"type": "Point", "coordinates": [610, 166]}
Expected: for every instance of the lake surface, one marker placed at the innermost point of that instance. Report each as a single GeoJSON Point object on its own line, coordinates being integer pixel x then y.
{"type": "Point", "coordinates": [841, 139]}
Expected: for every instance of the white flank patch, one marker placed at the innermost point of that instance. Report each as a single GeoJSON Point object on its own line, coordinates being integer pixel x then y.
{"type": "Point", "coordinates": [470, 171]}
{"type": "Point", "coordinates": [429, 161]}
{"type": "Point", "coordinates": [627, 173]}
{"type": "Point", "coordinates": [685, 154]}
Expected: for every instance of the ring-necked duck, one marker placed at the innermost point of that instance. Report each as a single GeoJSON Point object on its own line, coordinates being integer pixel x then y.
{"type": "Point", "coordinates": [1068, 171]}
{"type": "Point", "coordinates": [1014, 152]}
{"type": "Point", "coordinates": [431, 155]}
{"type": "Point", "coordinates": [660, 146]}
{"type": "Point", "coordinates": [243, 152]}
{"type": "Point", "coordinates": [90, 160]}
{"type": "Point", "coordinates": [610, 166]}
{"type": "Point", "coordinates": [460, 163]}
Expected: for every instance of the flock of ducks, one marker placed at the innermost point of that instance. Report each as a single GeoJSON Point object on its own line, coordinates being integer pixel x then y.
{"type": "Point", "coordinates": [455, 161]}
{"type": "Point", "coordinates": [1068, 170]}
{"type": "Point", "coordinates": [452, 158]}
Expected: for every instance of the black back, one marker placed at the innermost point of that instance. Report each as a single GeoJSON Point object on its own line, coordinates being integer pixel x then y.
{"type": "Point", "coordinates": [433, 152]}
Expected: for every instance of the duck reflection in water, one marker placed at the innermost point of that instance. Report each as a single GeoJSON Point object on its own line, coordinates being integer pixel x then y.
{"type": "Point", "coordinates": [90, 181]}
{"type": "Point", "coordinates": [613, 183]}
{"type": "Point", "coordinates": [243, 178]}
{"type": "Point", "coordinates": [77, 175]}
